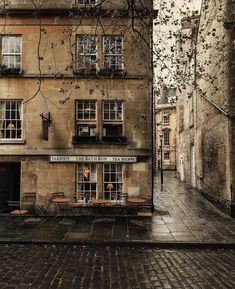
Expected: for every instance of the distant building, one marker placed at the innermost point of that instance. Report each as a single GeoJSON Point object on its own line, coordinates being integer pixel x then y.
{"type": "Point", "coordinates": [76, 101]}
{"type": "Point", "coordinates": [166, 122]}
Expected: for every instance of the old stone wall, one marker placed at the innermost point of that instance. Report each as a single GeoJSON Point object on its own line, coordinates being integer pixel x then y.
{"type": "Point", "coordinates": [213, 50]}
{"type": "Point", "coordinates": [67, 4]}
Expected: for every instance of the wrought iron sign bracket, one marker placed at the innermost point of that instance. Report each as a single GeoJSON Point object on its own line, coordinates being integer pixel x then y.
{"type": "Point", "coordinates": [47, 118]}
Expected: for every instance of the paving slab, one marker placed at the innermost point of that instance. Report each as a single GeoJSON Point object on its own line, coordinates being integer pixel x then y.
{"type": "Point", "coordinates": [182, 217]}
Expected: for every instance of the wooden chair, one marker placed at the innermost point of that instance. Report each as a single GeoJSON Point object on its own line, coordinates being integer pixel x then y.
{"type": "Point", "coordinates": [44, 205]}
{"type": "Point", "coordinates": [16, 211]}
{"type": "Point", "coordinates": [28, 201]}
{"type": "Point", "coordinates": [118, 197]}
{"type": "Point", "coordinates": [57, 195]}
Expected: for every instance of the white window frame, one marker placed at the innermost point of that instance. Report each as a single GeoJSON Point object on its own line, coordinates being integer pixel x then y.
{"type": "Point", "coordinates": [13, 54]}
{"type": "Point", "coordinates": [109, 111]}
{"type": "Point", "coordinates": [166, 138]}
{"type": "Point", "coordinates": [86, 122]}
{"type": "Point", "coordinates": [83, 55]}
{"type": "Point", "coordinates": [166, 118]}
{"type": "Point", "coordinates": [114, 192]}
{"type": "Point", "coordinates": [118, 114]}
{"type": "Point", "coordinates": [118, 56]}
{"type": "Point", "coordinates": [84, 181]}
{"type": "Point", "coordinates": [10, 122]}
{"type": "Point", "coordinates": [166, 159]}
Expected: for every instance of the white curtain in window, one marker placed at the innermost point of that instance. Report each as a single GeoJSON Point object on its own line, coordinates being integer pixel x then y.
{"type": "Point", "coordinates": [2, 117]}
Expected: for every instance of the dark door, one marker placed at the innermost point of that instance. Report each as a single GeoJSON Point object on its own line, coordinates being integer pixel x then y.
{"type": "Point", "coordinates": [9, 183]}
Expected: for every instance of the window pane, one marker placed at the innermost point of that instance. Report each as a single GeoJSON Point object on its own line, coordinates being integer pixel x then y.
{"type": "Point", "coordinates": [86, 51]}
{"type": "Point", "coordinates": [87, 180]}
{"type": "Point", "coordinates": [112, 181]}
{"type": "Point", "coordinates": [11, 51]}
{"type": "Point", "coordinates": [10, 119]}
{"type": "Point", "coordinates": [113, 51]}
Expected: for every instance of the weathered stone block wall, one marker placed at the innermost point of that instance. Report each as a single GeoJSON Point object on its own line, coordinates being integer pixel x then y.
{"type": "Point", "coordinates": [61, 4]}
{"type": "Point", "coordinates": [54, 43]}
{"type": "Point", "coordinates": [213, 83]}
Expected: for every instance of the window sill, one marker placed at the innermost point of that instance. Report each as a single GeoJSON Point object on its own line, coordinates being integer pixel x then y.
{"type": "Point", "coordinates": [114, 139]}
{"type": "Point", "coordinates": [83, 72]}
{"type": "Point", "coordinates": [106, 72]}
{"type": "Point", "coordinates": [12, 141]}
{"type": "Point", "coordinates": [112, 73]}
{"type": "Point", "coordinates": [97, 140]}
{"type": "Point", "coordinates": [11, 72]}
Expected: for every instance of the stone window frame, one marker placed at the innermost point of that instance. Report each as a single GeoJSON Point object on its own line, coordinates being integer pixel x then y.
{"type": "Point", "coordinates": [11, 127]}
{"type": "Point", "coordinates": [86, 125]}
{"type": "Point", "coordinates": [13, 54]}
{"type": "Point", "coordinates": [86, 181]}
{"type": "Point", "coordinates": [113, 181]}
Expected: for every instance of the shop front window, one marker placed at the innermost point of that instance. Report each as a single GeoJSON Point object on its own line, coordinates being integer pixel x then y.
{"type": "Point", "coordinates": [87, 181]}
{"type": "Point", "coordinates": [112, 181]}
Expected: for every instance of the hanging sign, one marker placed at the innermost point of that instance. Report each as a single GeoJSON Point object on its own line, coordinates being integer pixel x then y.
{"type": "Point", "coordinates": [46, 121]}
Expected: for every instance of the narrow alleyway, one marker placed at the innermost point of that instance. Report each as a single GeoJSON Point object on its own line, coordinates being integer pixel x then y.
{"type": "Point", "coordinates": [183, 214]}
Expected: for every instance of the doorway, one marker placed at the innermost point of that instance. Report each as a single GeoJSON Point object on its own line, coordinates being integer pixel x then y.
{"type": "Point", "coordinates": [9, 183]}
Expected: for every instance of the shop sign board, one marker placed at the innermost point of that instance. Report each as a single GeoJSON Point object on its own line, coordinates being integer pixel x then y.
{"type": "Point", "coordinates": [92, 159]}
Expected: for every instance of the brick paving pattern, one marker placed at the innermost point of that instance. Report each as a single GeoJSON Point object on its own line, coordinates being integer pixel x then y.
{"type": "Point", "coordinates": [75, 267]}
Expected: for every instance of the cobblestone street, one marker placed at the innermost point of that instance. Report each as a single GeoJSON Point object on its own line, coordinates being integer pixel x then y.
{"type": "Point", "coordinates": [71, 267]}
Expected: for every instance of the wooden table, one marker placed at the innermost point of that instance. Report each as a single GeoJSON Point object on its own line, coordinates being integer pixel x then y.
{"type": "Point", "coordinates": [100, 201]}
{"type": "Point", "coordinates": [135, 200]}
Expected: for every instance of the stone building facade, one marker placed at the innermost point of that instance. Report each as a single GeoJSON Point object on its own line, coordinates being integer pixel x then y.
{"type": "Point", "coordinates": [205, 107]}
{"type": "Point", "coordinates": [166, 121]}
{"type": "Point", "coordinates": [76, 100]}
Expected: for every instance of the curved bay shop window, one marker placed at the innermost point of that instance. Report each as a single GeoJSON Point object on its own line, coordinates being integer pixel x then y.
{"type": "Point", "coordinates": [112, 181]}
{"type": "Point", "coordinates": [86, 118]}
{"type": "Point", "coordinates": [112, 119]}
{"type": "Point", "coordinates": [10, 119]}
{"type": "Point", "coordinates": [87, 180]}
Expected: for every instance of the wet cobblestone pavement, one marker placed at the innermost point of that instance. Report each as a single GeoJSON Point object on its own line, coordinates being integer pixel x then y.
{"type": "Point", "coordinates": [182, 215]}
{"type": "Point", "coordinates": [75, 267]}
